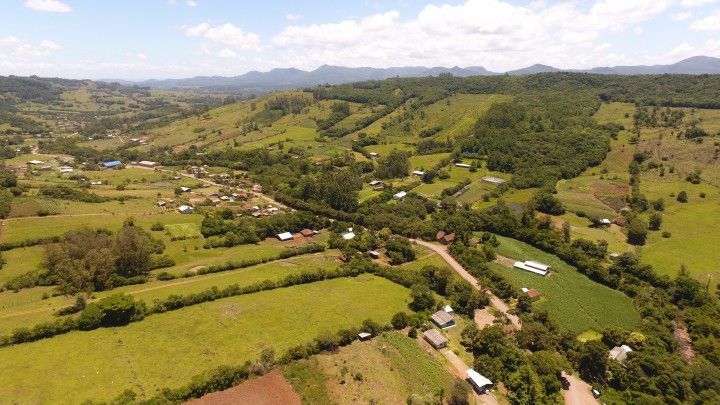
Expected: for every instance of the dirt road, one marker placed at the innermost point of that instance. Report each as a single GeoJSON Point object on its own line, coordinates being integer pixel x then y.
{"type": "Point", "coordinates": [496, 302]}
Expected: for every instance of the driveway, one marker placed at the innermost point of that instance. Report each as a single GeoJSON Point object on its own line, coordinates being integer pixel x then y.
{"type": "Point", "coordinates": [579, 393]}
{"type": "Point", "coordinates": [496, 302]}
{"type": "Point", "coordinates": [459, 369]}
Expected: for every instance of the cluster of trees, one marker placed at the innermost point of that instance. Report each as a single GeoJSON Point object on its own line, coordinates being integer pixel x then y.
{"type": "Point", "coordinates": [92, 260]}
{"type": "Point", "coordinates": [395, 165]}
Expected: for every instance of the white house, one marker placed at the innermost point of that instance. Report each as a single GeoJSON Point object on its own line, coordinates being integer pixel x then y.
{"type": "Point", "coordinates": [185, 189]}
{"type": "Point", "coordinates": [36, 162]}
{"type": "Point", "coordinates": [400, 195]}
{"type": "Point", "coordinates": [463, 165]}
{"type": "Point", "coordinates": [480, 382]}
{"type": "Point", "coordinates": [533, 267]}
{"type": "Point", "coordinates": [619, 353]}
{"type": "Point", "coordinates": [348, 235]}
{"type": "Point", "coordinates": [284, 236]}
{"type": "Point", "coordinates": [418, 173]}
{"type": "Point", "coordinates": [373, 154]}
{"type": "Point", "coordinates": [605, 221]}
{"type": "Point", "coordinates": [186, 209]}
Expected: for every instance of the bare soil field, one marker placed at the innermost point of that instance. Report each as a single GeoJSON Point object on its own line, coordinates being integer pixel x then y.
{"type": "Point", "coordinates": [270, 389]}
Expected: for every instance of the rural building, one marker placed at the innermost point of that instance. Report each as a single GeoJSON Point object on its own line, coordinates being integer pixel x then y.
{"type": "Point", "coordinates": [185, 189]}
{"type": "Point", "coordinates": [400, 195]}
{"type": "Point", "coordinates": [161, 203]}
{"type": "Point", "coordinates": [445, 238]}
{"type": "Point", "coordinates": [481, 383]}
{"type": "Point", "coordinates": [96, 183]}
{"type": "Point", "coordinates": [186, 209]}
{"type": "Point", "coordinates": [284, 236]}
{"type": "Point", "coordinates": [111, 164]}
{"type": "Point", "coordinates": [463, 165]}
{"type": "Point", "coordinates": [442, 319]}
{"type": "Point", "coordinates": [435, 338]}
{"type": "Point", "coordinates": [348, 235]}
{"type": "Point", "coordinates": [377, 185]}
{"type": "Point", "coordinates": [66, 169]}
{"type": "Point", "coordinates": [36, 162]}
{"type": "Point", "coordinates": [148, 163]}
{"type": "Point", "coordinates": [418, 173]}
{"type": "Point", "coordinates": [533, 267]}
{"type": "Point", "coordinates": [373, 154]}
{"type": "Point", "coordinates": [363, 336]}
{"type": "Point", "coordinates": [493, 180]}
{"type": "Point", "coordinates": [307, 232]}
{"type": "Point", "coordinates": [448, 309]}
{"type": "Point", "coordinates": [605, 222]}
{"type": "Point", "coordinates": [257, 188]}
{"type": "Point", "coordinates": [619, 353]}
{"type": "Point", "coordinates": [374, 254]}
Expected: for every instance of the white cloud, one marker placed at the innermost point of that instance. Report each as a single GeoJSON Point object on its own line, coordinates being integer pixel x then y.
{"type": "Point", "coordinates": [710, 47]}
{"type": "Point", "coordinates": [14, 48]}
{"type": "Point", "coordinates": [493, 33]}
{"type": "Point", "coordinates": [696, 3]}
{"type": "Point", "coordinates": [227, 53]}
{"type": "Point", "coordinates": [292, 17]}
{"type": "Point", "coordinates": [638, 30]}
{"type": "Point", "coordinates": [226, 34]}
{"type": "Point", "coordinates": [682, 16]}
{"type": "Point", "coordinates": [709, 23]}
{"type": "Point", "coordinates": [54, 6]}
{"type": "Point", "coordinates": [191, 3]}
{"type": "Point", "coordinates": [138, 55]}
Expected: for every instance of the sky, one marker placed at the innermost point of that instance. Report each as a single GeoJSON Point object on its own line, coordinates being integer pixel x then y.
{"type": "Point", "coordinates": [142, 39]}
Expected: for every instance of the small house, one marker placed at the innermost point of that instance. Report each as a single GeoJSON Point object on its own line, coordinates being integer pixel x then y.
{"type": "Point", "coordinates": [374, 254]}
{"type": "Point", "coordinates": [35, 162]}
{"type": "Point", "coordinates": [185, 189]}
{"type": "Point", "coordinates": [257, 188]}
{"type": "Point", "coordinates": [442, 319]}
{"type": "Point", "coordinates": [418, 173]}
{"type": "Point", "coordinates": [463, 165]}
{"type": "Point", "coordinates": [620, 353]}
{"type": "Point", "coordinates": [493, 180]}
{"type": "Point", "coordinates": [448, 309]}
{"type": "Point", "coordinates": [111, 164]}
{"type": "Point", "coordinates": [435, 338]}
{"type": "Point", "coordinates": [445, 238]}
{"type": "Point", "coordinates": [348, 235]}
{"type": "Point", "coordinates": [482, 384]}
{"type": "Point", "coordinates": [400, 195]}
{"type": "Point", "coordinates": [66, 169]}
{"type": "Point", "coordinates": [186, 209]}
{"type": "Point", "coordinates": [307, 233]}
{"type": "Point", "coordinates": [96, 183]}
{"type": "Point", "coordinates": [284, 236]}
{"type": "Point", "coordinates": [148, 163]}
{"type": "Point", "coordinates": [363, 336]}
{"type": "Point", "coordinates": [605, 222]}
{"type": "Point", "coordinates": [373, 154]}
{"type": "Point", "coordinates": [161, 203]}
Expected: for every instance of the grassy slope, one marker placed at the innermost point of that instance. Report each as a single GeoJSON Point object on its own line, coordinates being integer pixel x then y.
{"type": "Point", "coordinates": [166, 350]}
{"type": "Point", "coordinates": [392, 367]}
{"type": "Point", "coordinates": [575, 302]}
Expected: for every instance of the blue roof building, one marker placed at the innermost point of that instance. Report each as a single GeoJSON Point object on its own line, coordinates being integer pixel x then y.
{"type": "Point", "coordinates": [111, 163]}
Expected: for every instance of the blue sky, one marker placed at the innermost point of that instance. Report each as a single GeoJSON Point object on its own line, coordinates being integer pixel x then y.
{"type": "Point", "coordinates": [139, 39]}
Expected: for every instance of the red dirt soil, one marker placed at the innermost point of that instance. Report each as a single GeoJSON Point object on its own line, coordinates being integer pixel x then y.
{"type": "Point", "coordinates": [270, 389]}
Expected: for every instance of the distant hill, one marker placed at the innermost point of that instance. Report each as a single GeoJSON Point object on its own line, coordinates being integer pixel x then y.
{"type": "Point", "coordinates": [287, 78]}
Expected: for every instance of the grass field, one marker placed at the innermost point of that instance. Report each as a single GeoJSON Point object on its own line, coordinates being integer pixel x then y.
{"type": "Point", "coordinates": [392, 367]}
{"type": "Point", "coordinates": [167, 349]}
{"type": "Point", "coordinates": [574, 301]}
{"type": "Point", "coordinates": [28, 308]}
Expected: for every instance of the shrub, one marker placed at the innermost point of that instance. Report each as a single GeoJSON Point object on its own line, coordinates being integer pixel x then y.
{"type": "Point", "coordinates": [682, 197]}
{"type": "Point", "coordinates": [400, 320]}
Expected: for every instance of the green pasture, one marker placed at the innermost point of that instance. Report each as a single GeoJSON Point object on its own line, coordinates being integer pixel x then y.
{"type": "Point", "coordinates": [166, 350]}
{"type": "Point", "coordinates": [574, 301]}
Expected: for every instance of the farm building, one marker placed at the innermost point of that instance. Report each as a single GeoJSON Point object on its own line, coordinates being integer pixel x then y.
{"type": "Point", "coordinates": [35, 162]}
{"type": "Point", "coordinates": [186, 209]}
{"type": "Point", "coordinates": [533, 267]}
{"type": "Point", "coordinates": [66, 169]}
{"type": "Point", "coordinates": [148, 163]}
{"type": "Point", "coordinates": [435, 338]}
{"type": "Point", "coordinates": [400, 195]}
{"type": "Point", "coordinates": [445, 238]}
{"type": "Point", "coordinates": [493, 180]}
{"type": "Point", "coordinates": [111, 164]}
{"type": "Point", "coordinates": [481, 383]}
{"type": "Point", "coordinates": [619, 353]}
{"type": "Point", "coordinates": [284, 236]}
{"type": "Point", "coordinates": [448, 309]}
{"type": "Point", "coordinates": [442, 319]}
{"type": "Point", "coordinates": [374, 254]}
{"type": "Point", "coordinates": [348, 235]}
{"type": "Point", "coordinates": [185, 189]}
{"type": "Point", "coordinates": [418, 173]}
{"type": "Point", "coordinates": [363, 336]}
{"type": "Point", "coordinates": [463, 165]}
{"type": "Point", "coordinates": [377, 185]}
{"type": "Point", "coordinates": [605, 222]}
{"type": "Point", "coordinates": [307, 233]}
{"type": "Point", "coordinates": [373, 154]}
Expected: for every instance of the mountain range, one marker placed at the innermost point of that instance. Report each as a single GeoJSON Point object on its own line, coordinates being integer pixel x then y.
{"type": "Point", "coordinates": [287, 78]}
